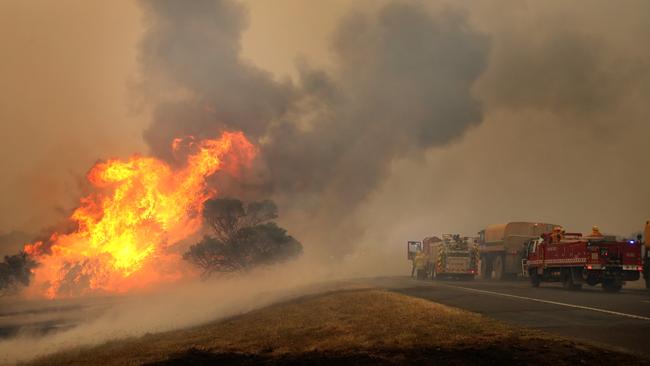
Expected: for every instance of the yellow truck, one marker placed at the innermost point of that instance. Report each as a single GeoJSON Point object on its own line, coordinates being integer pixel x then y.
{"type": "Point", "coordinates": [453, 256]}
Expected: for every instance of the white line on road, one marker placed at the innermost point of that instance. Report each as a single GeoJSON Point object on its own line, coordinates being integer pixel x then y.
{"type": "Point", "coordinates": [553, 302]}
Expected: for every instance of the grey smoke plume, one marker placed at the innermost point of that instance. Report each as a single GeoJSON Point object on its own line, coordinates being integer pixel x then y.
{"type": "Point", "coordinates": [402, 84]}
{"type": "Point", "coordinates": [560, 70]}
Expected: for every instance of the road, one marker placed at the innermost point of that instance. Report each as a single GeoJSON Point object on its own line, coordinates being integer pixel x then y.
{"type": "Point", "coordinates": [619, 321]}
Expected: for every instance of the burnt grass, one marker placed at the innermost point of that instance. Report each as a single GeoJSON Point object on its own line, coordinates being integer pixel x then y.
{"type": "Point", "coordinates": [357, 327]}
{"type": "Point", "coordinates": [530, 353]}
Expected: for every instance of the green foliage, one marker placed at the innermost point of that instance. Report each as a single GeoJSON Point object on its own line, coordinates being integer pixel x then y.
{"type": "Point", "coordinates": [243, 237]}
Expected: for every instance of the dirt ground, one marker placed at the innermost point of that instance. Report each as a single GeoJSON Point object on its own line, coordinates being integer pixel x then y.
{"type": "Point", "coordinates": [349, 327]}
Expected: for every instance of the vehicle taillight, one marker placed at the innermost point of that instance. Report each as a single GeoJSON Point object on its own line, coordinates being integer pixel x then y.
{"type": "Point", "coordinates": [589, 267]}
{"type": "Point", "coordinates": [639, 268]}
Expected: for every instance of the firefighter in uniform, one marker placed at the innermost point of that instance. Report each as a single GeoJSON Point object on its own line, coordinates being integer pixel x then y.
{"type": "Point", "coordinates": [420, 264]}
{"type": "Point", "coordinates": [596, 232]}
{"type": "Point", "coordinates": [557, 234]}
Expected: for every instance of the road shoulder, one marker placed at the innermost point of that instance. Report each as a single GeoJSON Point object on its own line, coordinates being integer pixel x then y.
{"type": "Point", "coordinates": [349, 327]}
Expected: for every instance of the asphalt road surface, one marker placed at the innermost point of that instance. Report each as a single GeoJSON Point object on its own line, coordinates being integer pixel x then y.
{"type": "Point", "coordinates": [619, 321]}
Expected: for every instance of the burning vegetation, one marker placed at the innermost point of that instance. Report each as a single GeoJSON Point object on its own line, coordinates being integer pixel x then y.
{"type": "Point", "coordinates": [140, 209]}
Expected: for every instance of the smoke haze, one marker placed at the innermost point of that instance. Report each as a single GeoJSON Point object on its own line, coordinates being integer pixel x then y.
{"type": "Point", "coordinates": [53, 326]}
{"type": "Point", "coordinates": [326, 139]}
{"type": "Point", "coordinates": [384, 120]}
{"type": "Point", "coordinates": [377, 122]}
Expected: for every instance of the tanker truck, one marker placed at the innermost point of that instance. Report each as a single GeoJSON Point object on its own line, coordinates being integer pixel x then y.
{"type": "Point", "coordinates": [502, 247]}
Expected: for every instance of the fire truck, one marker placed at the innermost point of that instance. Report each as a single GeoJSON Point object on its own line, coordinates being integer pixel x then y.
{"type": "Point", "coordinates": [453, 256]}
{"type": "Point", "coordinates": [574, 260]}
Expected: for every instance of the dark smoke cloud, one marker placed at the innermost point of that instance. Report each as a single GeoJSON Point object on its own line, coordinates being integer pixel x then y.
{"type": "Point", "coordinates": [402, 84]}
{"type": "Point", "coordinates": [195, 48]}
{"type": "Point", "coordinates": [561, 70]}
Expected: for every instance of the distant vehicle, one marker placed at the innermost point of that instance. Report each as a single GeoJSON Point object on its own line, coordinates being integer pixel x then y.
{"type": "Point", "coordinates": [502, 247]}
{"type": "Point", "coordinates": [574, 260]}
{"type": "Point", "coordinates": [453, 256]}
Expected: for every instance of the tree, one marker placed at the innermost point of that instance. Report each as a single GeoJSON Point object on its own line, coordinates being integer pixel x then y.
{"type": "Point", "coordinates": [243, 237]}
{"type": "Point", "coordinates": [227, 215]}
{"type": "Point", "coordinates": [15, 271]}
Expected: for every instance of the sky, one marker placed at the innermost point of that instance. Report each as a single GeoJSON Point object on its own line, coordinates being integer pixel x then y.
{"type": "Point", "coordinates": [379, 121]}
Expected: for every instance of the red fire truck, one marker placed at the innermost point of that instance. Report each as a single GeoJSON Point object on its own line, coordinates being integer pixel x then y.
{"type": "Point", "coordinates": [574, 260]}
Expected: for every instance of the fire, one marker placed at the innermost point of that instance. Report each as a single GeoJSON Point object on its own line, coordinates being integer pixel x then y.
{"type": "Point", "coordinates": [140, 209]}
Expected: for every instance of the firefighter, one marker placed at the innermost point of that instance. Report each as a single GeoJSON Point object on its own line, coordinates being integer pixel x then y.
{"type": "Point", "coordinates": [557, 234]}
{"type": "Point", "coordinates": [420, 264]}
{"type": "Point", "coordinates": [596, 232]}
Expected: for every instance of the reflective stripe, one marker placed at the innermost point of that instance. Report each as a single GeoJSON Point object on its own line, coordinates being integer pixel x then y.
{"type": "Point", "coordinates": [559, 261]}
{"type": "Point", "coordinates": [630, 267]}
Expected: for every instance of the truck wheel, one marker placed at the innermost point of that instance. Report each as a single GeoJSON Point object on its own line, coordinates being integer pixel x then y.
{"type": "Point", "coordinates": [534, 279]}
{"type": "Point", "coordinates": [567, 282]}
{"type": "Point", "coordinates": [612, 286]}
{"type": "Point", "coordinates": [485, 269]}
{"type": "Point", "coordinates": [497, 265]}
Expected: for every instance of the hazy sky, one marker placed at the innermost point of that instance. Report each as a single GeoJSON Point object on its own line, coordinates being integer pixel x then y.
{"type": "Point", "coordinates": [562, 136]}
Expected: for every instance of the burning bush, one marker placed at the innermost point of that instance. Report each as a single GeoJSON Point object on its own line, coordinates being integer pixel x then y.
{"type": "Point", "coordinates": [244, 237]}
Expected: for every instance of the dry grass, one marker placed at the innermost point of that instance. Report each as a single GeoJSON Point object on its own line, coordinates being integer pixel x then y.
{"type": "Point", "coordinates": [367, 326]}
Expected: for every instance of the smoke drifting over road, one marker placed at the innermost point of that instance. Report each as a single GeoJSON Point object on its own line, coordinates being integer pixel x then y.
{"type": "Point", "coordinates": [402, 84]}
{"type": "Point", "coordinates": [431, 118]}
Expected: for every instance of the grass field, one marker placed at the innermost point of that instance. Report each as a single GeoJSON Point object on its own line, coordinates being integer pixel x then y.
{"type": "Point", "coordinates": [348, 327]}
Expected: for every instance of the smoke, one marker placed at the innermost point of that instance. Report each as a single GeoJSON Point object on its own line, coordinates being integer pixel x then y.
{"type": "Point", "coordinates": [574, 73]}
{"type": "Point", "coordinates": [402, 83]}
{"type": "Point", "coordinates": [564, 134]}
{"type": "Point", "coordinates": [12, 242]}
{"type": "Point", "coordinates": [54, 326]}
{"type": "Point", "coordinates": [428, 121]}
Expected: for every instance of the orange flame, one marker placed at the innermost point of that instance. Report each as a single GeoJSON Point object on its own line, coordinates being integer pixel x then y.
{"type": "Point", "coordinates": [125, 230]}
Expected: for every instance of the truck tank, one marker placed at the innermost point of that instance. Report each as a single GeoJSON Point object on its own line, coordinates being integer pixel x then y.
{"type": "Point", "coordinates": [501, 247]}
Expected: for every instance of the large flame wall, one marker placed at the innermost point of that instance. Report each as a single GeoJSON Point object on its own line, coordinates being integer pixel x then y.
{"type": "Point", "coordinates": [140, 207]}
